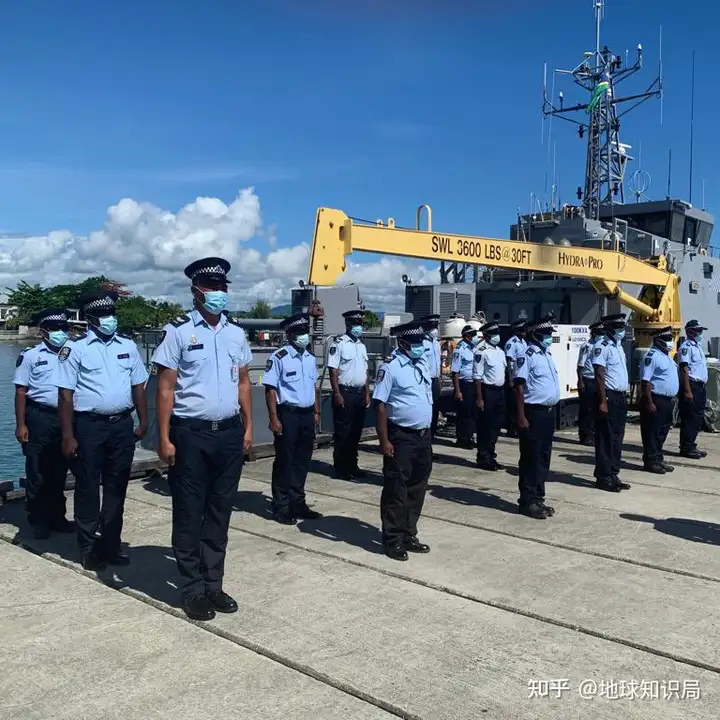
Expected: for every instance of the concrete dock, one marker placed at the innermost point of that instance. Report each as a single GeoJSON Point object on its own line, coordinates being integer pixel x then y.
{"type": "Point", "coordinates": [610, 609]}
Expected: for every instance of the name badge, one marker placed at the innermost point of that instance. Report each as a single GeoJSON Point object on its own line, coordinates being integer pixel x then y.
{"type": "Point", "coordinates": [124, 356]}
{"type": "Point", "coordinates": [198, 346]}
{"type": "Point", "coordinates": [41, 362]}
{"type": "Point", "coordinates": [290, 374]}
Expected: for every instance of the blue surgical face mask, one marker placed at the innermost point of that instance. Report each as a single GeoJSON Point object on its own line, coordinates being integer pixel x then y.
{"type": "Point", "coordinates": [107, 325]}
{"type": "Point", "coordinates": [669, 344]}
{"type": "Point", "coordinates": [57, 338]}
{"type": "Point", "coordinates": [474, 340]}
{"type": "Point", "coordinates": [417, 351]}
{"type": "Point", "coordinates": [699, 338]}
{"type": "Point", "coordinates": [547, 340]}
{"type": "Point", "coordinates": [302, 341]}
{"type": "Point", "coordinates": [619, 335]}
{"type": "Point", "coordinates": [356, 330]}
{"type": "Point", "coordinates": [434, 333]}
{"type": "Point", "coordinates": [495, 340]}
{"type": "Point", "coordinates": [215, 301]}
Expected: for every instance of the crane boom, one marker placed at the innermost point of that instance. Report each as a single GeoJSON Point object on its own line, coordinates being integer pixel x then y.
{"type": "Point", "coordinates": [337, 235]}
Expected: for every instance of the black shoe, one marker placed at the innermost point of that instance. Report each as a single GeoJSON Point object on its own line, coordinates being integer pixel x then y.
{"type": "Point", "coordinates": [693, 454]}
{"type": "Point", "coordinates": [534, 510]}
{"type": "Point", "coordinates": [414, 545]}
{"type": "Point", "coordinates": [498, 466]}
{"type": "Point", "coordinates": [621, 485]}
{"type": "Point", "coordinates": [342, 475]}
{"type": "Point", "coordinates": [358, 473]}
{"type": "Point", "coordinates": [221, 601]}
{"type": "Point", "coordinates": [608, 485]}
{"type": "Point", "coordinates": [198, 607]}
{"type": "Point", "coordinates": [655, 468]}
{"type": "Point", "coordinates": [305, 513]}
{"type": "Point", "coordinates": [284, 519]}
{"type": "Point", "coordinates": [90, 561]}
{"type": "Point", "coordinates": [549, 509]}
{"type": "Point", "coordinates": [668, 468]}
{"type": "Point", "coordinates": [63, 525]}
{"type": "Point", "coordinates": [396, 552]}
{"type": "Point", "coordinates": [40, 532]}
{"type": "Point", "coordinates": [588, 442]}
{"type": "Point", "coordinates": [465, 444]}
{"type": "Point", "coordinates": [118, 558]}
{"type": "Point", "coordinates": [490, 467]}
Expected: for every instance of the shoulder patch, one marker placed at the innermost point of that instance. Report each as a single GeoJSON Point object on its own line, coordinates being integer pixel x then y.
{"type": "Point", "coordinates": [478, 356]}
{"type": "Point", "coordinates": [179, 322]}
{"type": "Point", "coordinates": [597, 351]}
{"type": "Point", "coordinates": [381, 374]}
{"type": "Point", "coordinates": [19, 360]}
{"type": "Point", "coordinates": [281, 353]}
{"type": "Point", "coordinates": [64, 354]}
{"type": "Point", "coordinates": [648, 360]}
{"type": "Point", "coordinates": [456, 354]}
{"type": "Point", "coordinates": [333, 349]}
{"type": "Point", "coordinates": [684, 351]}
{"type": "Point", "coordinates": [520, 362]}
{"type": "Point", "coordinates": [269, 364]}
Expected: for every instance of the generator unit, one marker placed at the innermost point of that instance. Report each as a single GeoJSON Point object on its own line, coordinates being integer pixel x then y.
{"type": "Point", "coordinates": [453, 299]}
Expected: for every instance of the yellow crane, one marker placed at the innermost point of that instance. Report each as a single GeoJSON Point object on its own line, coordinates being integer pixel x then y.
{"type": "Point", "coordinates": [657, 305]}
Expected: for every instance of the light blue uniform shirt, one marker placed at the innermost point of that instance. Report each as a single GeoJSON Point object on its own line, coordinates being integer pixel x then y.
{"type": "Point", "coordinates": [349, 357]}
{"type": "Point", "coordinates": [515, 348]}
{"type": "Point", "coordinates": [691, 354]}
{"type": "Point", "coordinates": [585, 357]}
{"type": "Point", "coordinates": [661, 372]}
{"type": "Point", "coordinates": [293, 375]}
{"type": "Point", "coordinates": [36, 369]}
{"type": "Point", "coordinates": [100, 373]}
{"type": "Point", "coordinates": [609, 354]}
{"type": "Point", "coordinates": [208, 363]}
{"type": "Point", "coordinates": [405, 386]}
{"type": "Point", "coordinates": [537, 369]}
{"type": "Point", "coordinates": [462, 360]}
{"type": "Point", "coordinates": [432, 355]}
{"type": "Point", "coordinates": [489, 366]}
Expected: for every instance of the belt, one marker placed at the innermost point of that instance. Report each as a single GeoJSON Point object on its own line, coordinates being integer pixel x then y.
{"type": "Point", "coordinates": [41, 406]}
{"type": "Point", "coordinates": [105, 418]}
{"type": "Point", "coordinates": [411, 431]}
{"type": "Point", "coordinates": [351, 388]}
{"type": "Point", "coordinates": [467, 381]}
{"type": "Point", "coordinates": [667, 397]}
{"type": "Point", "coordinates": [697, 382]}
{"type": "Point", "coordinates": [617, 392]}
{"type": "Point", "coordinates": [296, 408]}
{"type": "Point", "coordinates": [535, 406]}
{"type": "Point", "coordinates": [212, 425]}
{"type": "Point", "coordinates": [493, 387]}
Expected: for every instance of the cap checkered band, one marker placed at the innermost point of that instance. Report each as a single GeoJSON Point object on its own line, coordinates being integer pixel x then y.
{"type": "Point", "coordinates": [55, 318]}
{"type": "Point", "coordinates": [297, 323]}
{"type": "Point", "coordinates": [543, 325]}
{"type": "Point", "coordinates": [209, 270]}
{"type": "Point", "coordinates": [100, 303]}
{"type": "Point", "coordinates": [490, 327]}
{"type": "Point", "coordinates": [411, 332]}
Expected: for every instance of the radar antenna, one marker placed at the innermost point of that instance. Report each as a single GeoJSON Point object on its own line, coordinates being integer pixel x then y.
{"type": "Point", "coordinates": [599, 74]}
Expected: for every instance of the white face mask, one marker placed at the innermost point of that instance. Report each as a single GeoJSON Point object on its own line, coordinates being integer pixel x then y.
{"type": "Point", "coordinates": [434, 333]}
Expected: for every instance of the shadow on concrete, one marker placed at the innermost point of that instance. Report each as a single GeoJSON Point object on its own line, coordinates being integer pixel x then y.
{"type": "Point", "coordinates": [699, 531]}
{"type": "Point", "coordinates": [454, 460]}
{"type": "Point", "coordinates": [472, 497]}
{"type": "Point", "coordinates": [558, 477]}
{"type": "Point", "coordinates": [349, 530]}
{"type": "Point", "coordinates": [328, 470]}
{"type": "Point", "coordinates": [253, 502]}
{"type": "Point", "coordinates": [590, 460]}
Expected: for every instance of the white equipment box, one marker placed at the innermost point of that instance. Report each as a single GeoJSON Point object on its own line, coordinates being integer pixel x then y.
{"type": "Point", "coordinates": [567, 341]}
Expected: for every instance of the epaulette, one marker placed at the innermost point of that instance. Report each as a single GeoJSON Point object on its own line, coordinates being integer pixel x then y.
{"type": "Point", "coordinates": [605, 342]}
{"type": "Point", "coordinates": [80, 337]}
{"type": "Point", "coordinates": [281, 353]}
{"type": "Point", "coordinates": [125, 335]}
{"type": "Point", "coordinates": [179, 322]}
{"type": "Point", "coordinates": [337, 338]}
{"type": "Point", "coordinates": [531, 350]}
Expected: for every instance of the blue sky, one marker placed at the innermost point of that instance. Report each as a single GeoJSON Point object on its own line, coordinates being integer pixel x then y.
{"type": "Point", "coordinates": [372, 110]}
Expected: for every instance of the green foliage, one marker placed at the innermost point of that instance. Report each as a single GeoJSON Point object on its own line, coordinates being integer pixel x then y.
{"type": "Point", "coordinates": [133, 311]}
{"type": "Point", "coordinates": [371, 320]}
{"type": "Point", "coordinates": [261, 310]}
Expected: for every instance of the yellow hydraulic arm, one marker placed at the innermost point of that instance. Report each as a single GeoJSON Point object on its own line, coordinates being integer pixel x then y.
{"type": "Point", "coordinates": [336, 236]}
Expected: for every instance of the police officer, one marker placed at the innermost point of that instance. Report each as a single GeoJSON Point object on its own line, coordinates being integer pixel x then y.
{"type": "Point", "coordinates": [693, 396]}
{"type": "Point", "coordinates": [515, 348]}
{"type": "Point", "coordinates": [348, 364]}
{"type": "Point", "coordinates": [204, 416]}
{"type": "Point", "coordinates": [660, 385]}
{"type": "Point", "coordinates": [462, 377]}
{"type": "Point", "coordinates": [611, 377]}
{"type": "Point", "coordinates": [489, 369]}
{"type": "Point", "coordinates": [587, 389]}
{"type": "Point", "coordinates": [100, 378]}
{"type": "Point", "coordinates": [38, 427]}
{"type": "Point", "coordinates": [430, 325]}
{"type": "Point", "coordinates": [294, 411]}
{"type": "Point", "coordinates": [403, 397]}
{"type": "Point", "coordinates": [537, 392]}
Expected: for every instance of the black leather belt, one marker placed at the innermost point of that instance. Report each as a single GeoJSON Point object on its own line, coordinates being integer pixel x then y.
{"type": "Point", "coordinates": [212, 425]}
{"type": "Point", "coordinates": [41, 406]}
{"type": "Point", "coordinates": [411, 431]}
{"type": "Point", "coordinates": [296, 408]}
{"type": "Point", "coordinates": [352, 389]}
{"type": "Point", "coordinates": [105, 418]}
{"type": "Point", "coordinates": [534, 406]}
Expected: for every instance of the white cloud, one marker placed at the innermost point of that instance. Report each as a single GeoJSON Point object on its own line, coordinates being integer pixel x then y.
{"type": "Point", "coordinates": [148, 247]}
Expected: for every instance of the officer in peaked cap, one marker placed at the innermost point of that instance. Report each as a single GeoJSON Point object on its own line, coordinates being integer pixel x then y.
{"type": "Point", "coordinates": [587, 389]}
{"type": "Point", "coordinates": [348, 364]}
{"type": "Point", "coordinates": [403, 398]}
{"type": "Point", "coordinates": [38, 427]}
{"type": "Point", "coordinates": [294, 410]}
{"type": "Point", "coordinates": [489, 367]}
{"type": "Point", "coordinates": [537, 392]}
{"type": "Point", "coordinates": [431, 325]}
{"type": "Point", "coordinates": [101, 379]}
{"type": "Point", "coordinates": [462, 377]}
{"type": "Point", "coordinates": [515, 348]}
{"type": "Point", "coordinates": [204, 415]}
{"type": "Point", "coordinates": [693, 394]}
{"type": "Point", "coordinates": [611, 377]}
{"type": "Point", "coordinates": [659, 387]}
